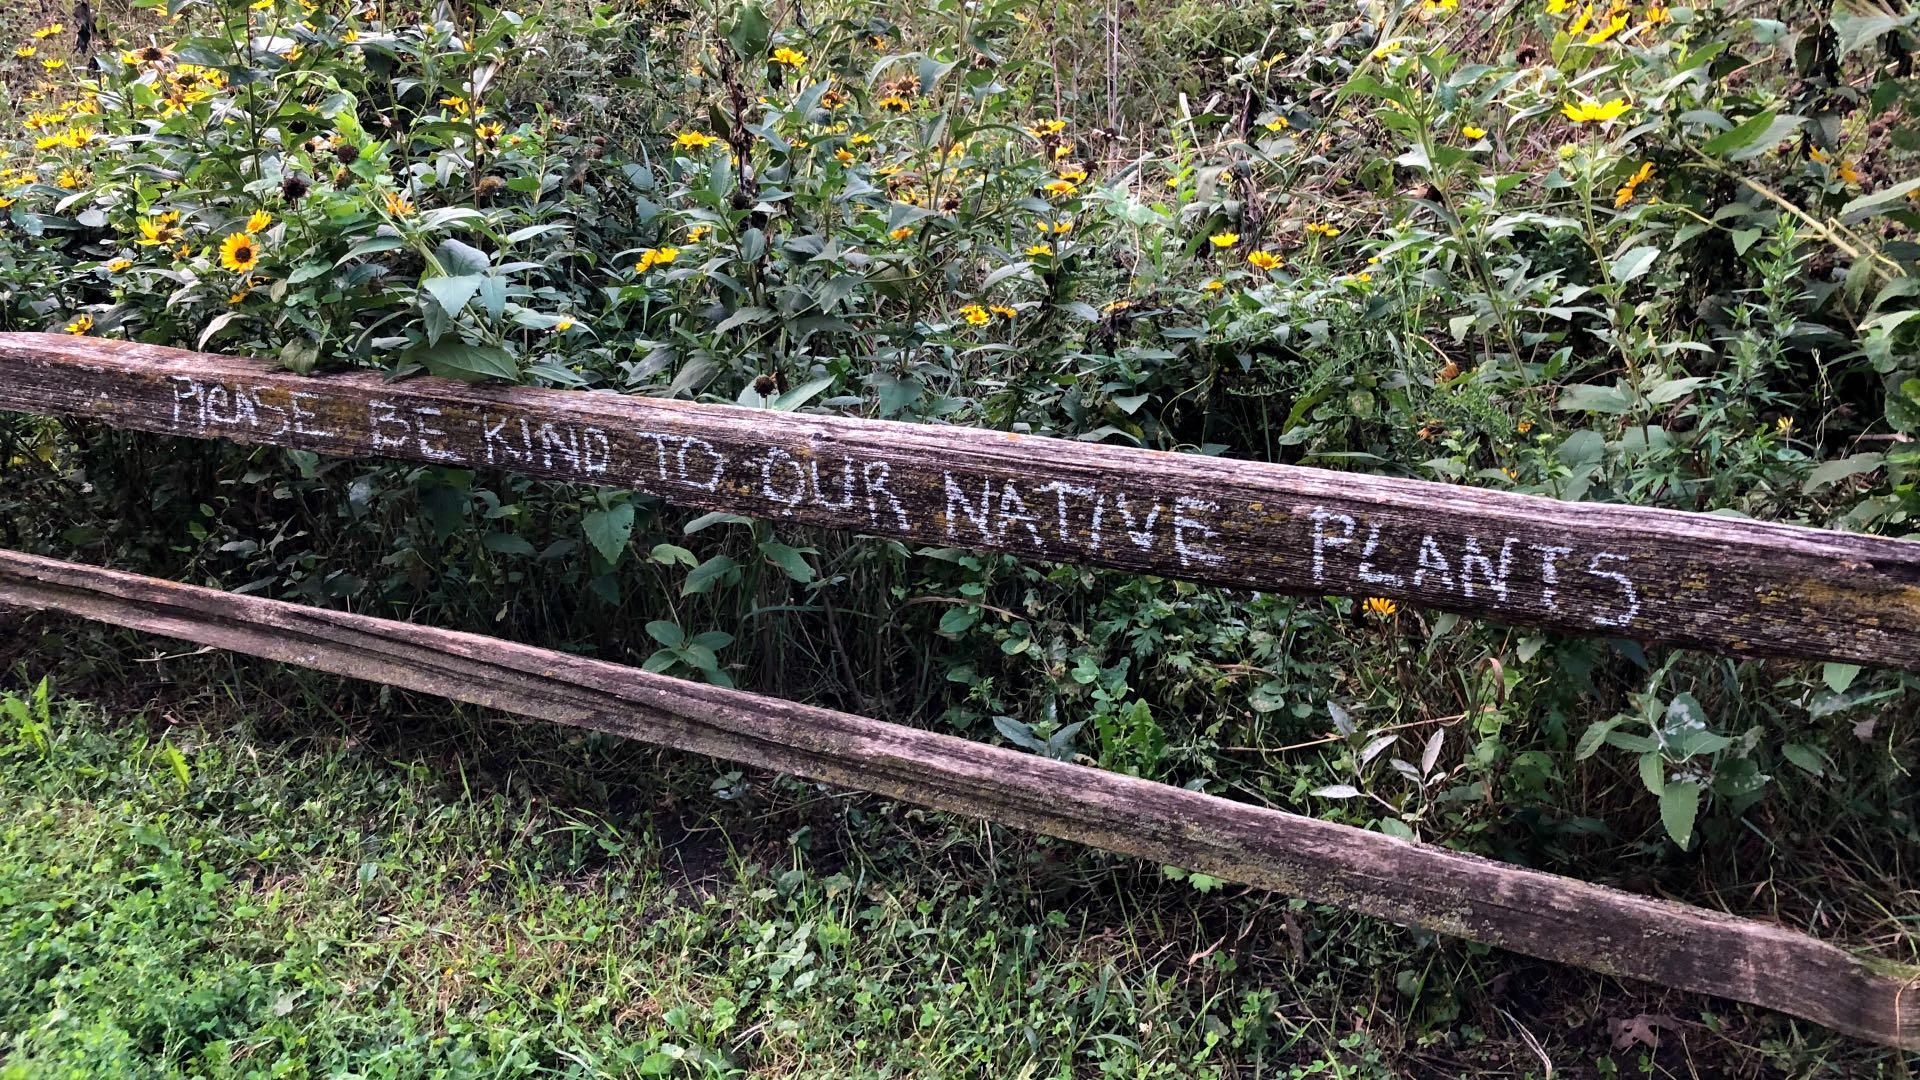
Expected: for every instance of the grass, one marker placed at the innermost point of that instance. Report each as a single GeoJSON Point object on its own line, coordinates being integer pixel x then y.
{"type": "Point", "coordinates": [324, 880]}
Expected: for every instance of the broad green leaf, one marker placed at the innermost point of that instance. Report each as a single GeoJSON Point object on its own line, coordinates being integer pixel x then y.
{"type": "Point", "coordinates": [666, 633]}
{"type": "Point", "coordinates": [452, 358]}
{"type": "Point", "coordinates": [789, 559]}
{"type": "Point", "coordinates": [452, 293]}
{"type": "Point", "coordinates": [1679, 805]}
{"type": "Point", "coordinates": [1839, 676]}
{"type": "Point", "coordinates": [707, 575]}
{"type": "Point", "coordinates": [1753, 136]}
{"type": "Point", "coordinates": [609, 530]}
{"type": "Point", "coordinates": [1634, 263]}
{"type": "Point", "coordinates": [1806, 757]}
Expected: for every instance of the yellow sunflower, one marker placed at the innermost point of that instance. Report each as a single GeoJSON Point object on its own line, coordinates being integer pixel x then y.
{"type": "Point", "coordinates": [239, 253]}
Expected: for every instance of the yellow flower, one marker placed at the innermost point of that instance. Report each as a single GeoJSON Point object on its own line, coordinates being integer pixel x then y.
{"type": "Point", "coordinates": [1213, 286]}
{"type": "Point", "coordinates": [1431, 8]}
{"type": "Point", "coordinates": [397, 204]}
{"type": "Point", "coordinates": [70, 178]}
{"type": "Point", "coordinates": [1058, 228]}
{"type": "Point", "coordinates": [1472, 132]}
{"type": "Point", "coordinates": [861, 139]}
{"type": "Point", "coordinates": [160, 231]}
{"type": "Point", "coordinates": [239, 253]}
{"type": "Point", "coordinates": [845, 156]}
{"type": "Point", "coordinates": [1062, 187]}
{"type": "Point", "coordinates": [1039, 251]}
{"type": "Point", "coordinates": [1847, 172]}
{"type": "Point", "coordinates": [1556, 7]}
{"type": "Point", "coordinates": [1073, 173]}
{"type": "Point", "coordinates": [1818, 154]}
{"type": "Point", "coordinates": [259, 221]}
{"type": "Point", "coordinates": [894, 103]}
{"type": "Point", "coordinates": [1615, 24]}
{"type": "Point", "coordinates": [793, 58]}
{"type": "Point", "coordinates": [900, 233]}
{"type": "Point", "coordinates": [1003, 311]}
{"type": "Point", "coordinates": [1224, 240]}
{"type": "Point", "coordinates": [1278, 123]}
{"type": "Point", "coordinates": [1323, 229]}
{"type": "Point", "coordinates": [1117, 305]}
{"type": "Point", "coordinates": [975, 315]}
{"type": "Point", "coordinates": [1263, 260]}
{"type": "Point", "coordinates": [698, 233]}
{"type": "Point", "coordinates": [1784, 425]}
{"type": "Point", "coordinates": [1043, 128]}
{"type": "Point", "coordinates": [458, 104]}
{"type": "Point", "coordinates": [80, 325]}
{"type": "Point", "coordinates": [1381, 608]}
{"type": "Point", "coordinates": [1579, 24]}
{"type": "Point", "coordinates": [261, 5]}
{"type": "Point", "coordinates": [25, 52]}
{"type": "Point", "coordinates": [1657, 14]}
{"type": "Point", "coordinates": [563, 326]}
{"type": "Point", "coordinates": [488, 133]}
{"type": "Point", "coordinates": [5, 202]}
{"type": "Point", "coordinates": [1629, 189]}
{"type": "Point", "coordinates": [53, 63]}
{"type": "Point", "coordinates": [653, 257]}
{"type": "Point", "coordinates": [1589, 111]}
{"type": "Point", "coordinates": [1523, 426]}
{"type": "Point", "coordinates": [46, 32]}
{"type": "Point", "coordinates": [694, 140]}
{"type": "Point", "coordinates": [118, 265]}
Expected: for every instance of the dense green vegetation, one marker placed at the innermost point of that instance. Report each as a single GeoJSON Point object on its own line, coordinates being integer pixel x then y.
{"type": "Point", "coordinates": [1638, 252]}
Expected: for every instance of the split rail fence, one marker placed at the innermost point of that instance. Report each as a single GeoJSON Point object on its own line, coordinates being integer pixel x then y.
{"type": "Point", "coordinates": [1730, 585]}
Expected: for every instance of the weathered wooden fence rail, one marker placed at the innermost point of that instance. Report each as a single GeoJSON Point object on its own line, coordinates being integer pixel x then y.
{"type": "Point", "coordinates": [1730, 585]}
{"type": "Point", "coordinates": [1530, 912]}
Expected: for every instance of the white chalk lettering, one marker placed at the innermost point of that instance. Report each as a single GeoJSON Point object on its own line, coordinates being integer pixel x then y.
{"type": "Point", "coordinates": [1142, 537]}
{"type": "Point", "coordinates": [875, 473]}
{"type": "Point", "coordinates": [776, 456]}
{"type": "Point", "coordinates": [1366, 571]}
{"type": "Point", "coordinates": [1495, 577]}
{"type": "Point", "coordinates": [1322, 539]}
{"type": "Point", "coordinates": [1432, 561]}
{"type": "Point", "coordinates": [1626, 586]}
{"type": "Point", "coordinates": [1182, 524]}
{"type": "Point", "coordinates": [1550, 557]}
{"type": "Point", "coordinates": [1013, 508]}
{"type": "Point", "coordinates": [423, 430]}
{"type": "Point", "coordinates": [957, 496]}
{"type": "Point", "coordinates": [381, 415]}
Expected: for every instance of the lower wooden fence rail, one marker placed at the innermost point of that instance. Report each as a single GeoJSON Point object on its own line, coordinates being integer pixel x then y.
{"type": "Point", "coordinates": [1539, 914]}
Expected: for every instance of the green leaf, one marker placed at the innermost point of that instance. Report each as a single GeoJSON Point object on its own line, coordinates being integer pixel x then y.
{"type": "Point", "coordinates": [1653, 772]}
{"type": "Point", "coordinates": [1679, 806]}
{"type": "Point", "coordinates": [666, 633]}
{"type": "Point", "coordinates": [1752, 137]}
{"type": "Point", "coordinates": [609, 530]}
{"type": "Point", "coordinates": [707, 575]}
{"type": "Point", "coordinates": [1839, 676]}
{"type": "Point", "coordinates": [669, 554]}
{"type": "Point", "coordinates": [958, 619]}
{"type": "Point", "coordinates": [452, 293]}
{"type": "Point", "coordinates": [1594, 736]}
{"type": "Point", "coordinates": [462, 259]}
{"type": "Point", "coordinates": [750, 32]}
{"type": "Point", "coordinates": [1634, 263]}
{"type": "Point", "coordinates": [506, 544]}
{"type": "Point", "coordinates": [452, 358]}
{"type": "Point", "coordinates": [1806, 757]}
{"type": "Point", "coordinates": [788, 559]}
{"type": "Point", "coordinates": [1586, 397]}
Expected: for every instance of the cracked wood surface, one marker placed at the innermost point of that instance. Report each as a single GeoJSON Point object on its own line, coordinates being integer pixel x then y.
{"type": "Point", "coordinates": [1725, 584]}
{"type": "Point", "coordinates": [1539, 914]}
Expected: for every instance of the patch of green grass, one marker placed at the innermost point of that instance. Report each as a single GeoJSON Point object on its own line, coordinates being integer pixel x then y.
{"type": "Point", "coordinates": [444, 897]}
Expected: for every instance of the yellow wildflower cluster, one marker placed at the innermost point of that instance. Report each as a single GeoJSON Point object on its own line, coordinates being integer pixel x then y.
{"type": "Point", "coordinates": [652, 257]}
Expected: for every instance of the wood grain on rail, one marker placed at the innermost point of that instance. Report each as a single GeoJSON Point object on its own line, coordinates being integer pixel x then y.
{"type": "Point", "coordinates": [1527, 911]}
{"type": "Point", "coordinates": [1726, 584]}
